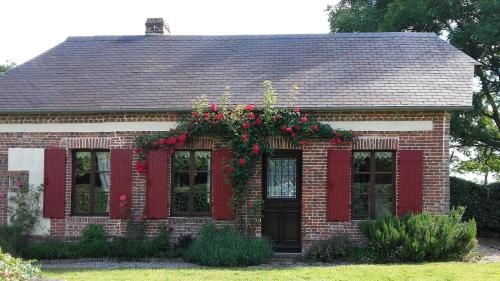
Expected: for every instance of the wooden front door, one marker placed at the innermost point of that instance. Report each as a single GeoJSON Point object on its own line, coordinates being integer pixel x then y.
{"type": "Point", "coordinates": [282, 181]}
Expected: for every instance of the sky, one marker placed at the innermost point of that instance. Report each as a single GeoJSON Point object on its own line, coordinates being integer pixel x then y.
{"type": "Point", "coordinates": [30, 27]}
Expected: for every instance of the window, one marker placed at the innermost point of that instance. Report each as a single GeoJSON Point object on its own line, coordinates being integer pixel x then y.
{"type": "Point", "coordinates": [191, 183]}
{"type": "Point", "coordinates": [372, 184]}
{"type": "Point", "coordinates": [90, 191]}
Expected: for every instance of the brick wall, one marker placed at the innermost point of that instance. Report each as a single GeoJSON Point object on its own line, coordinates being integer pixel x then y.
{"type": "Point", "coordinates": [314, 224]}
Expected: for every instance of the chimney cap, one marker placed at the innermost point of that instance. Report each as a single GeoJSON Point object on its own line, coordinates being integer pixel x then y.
{"type": "Point", "coordinates": [154, 26]}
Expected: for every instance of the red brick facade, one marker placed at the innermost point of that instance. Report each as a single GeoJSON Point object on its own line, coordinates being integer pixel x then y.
{"type": "Point", "coordinates": [314, 226]}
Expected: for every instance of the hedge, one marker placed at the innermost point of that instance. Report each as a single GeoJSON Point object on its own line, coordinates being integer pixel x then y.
{"type": "Point", "coordinates": [482, 203]}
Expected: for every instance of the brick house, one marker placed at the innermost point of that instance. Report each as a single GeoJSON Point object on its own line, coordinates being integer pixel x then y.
{"type": "Point", "coordinates": [69, 117]}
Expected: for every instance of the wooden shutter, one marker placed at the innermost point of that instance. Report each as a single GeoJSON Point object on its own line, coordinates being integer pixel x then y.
{"type": "Point", "coordinates": [222, 190]}
{"type": "Point", "coordinates": [54, 191]}
{"type": "Point", "coordinates": [121, 183]}
{"type": "Point", "coordinates": [157, 184]}
{"type": "Point", "coordinates": [411, 167]}
{"type": "Point", "coordinates": [338, 185]}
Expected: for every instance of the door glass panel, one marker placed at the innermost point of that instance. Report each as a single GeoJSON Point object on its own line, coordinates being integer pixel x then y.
{"type": "Point", "coordinates": [181, 161]}
{"type": "Point", "coordinates": [281, 178]}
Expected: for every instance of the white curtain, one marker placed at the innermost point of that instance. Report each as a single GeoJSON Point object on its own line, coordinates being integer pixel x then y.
{"type": "Point", "coordinates": [103, 166]}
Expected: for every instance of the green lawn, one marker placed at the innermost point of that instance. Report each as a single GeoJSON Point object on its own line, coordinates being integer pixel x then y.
{"type": "Point", "coordinates": [430, 271]}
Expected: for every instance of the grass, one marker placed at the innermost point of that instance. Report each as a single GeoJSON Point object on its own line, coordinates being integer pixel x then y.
{"type": "Point", "coordinates": [429, 271]}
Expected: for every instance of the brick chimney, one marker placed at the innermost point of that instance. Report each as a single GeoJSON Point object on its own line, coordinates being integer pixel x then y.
{"type": "Point", "coordinates": [154, 26]}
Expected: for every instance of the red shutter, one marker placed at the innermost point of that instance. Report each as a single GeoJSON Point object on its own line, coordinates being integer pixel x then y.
{"type": "Point", "coordinates": [54, 191]}
{"type": "Point", "coordinates": [222, 190]}
{"type": "Point", "coordinates": [121, 183]}
{"type": "Point", "coordinates": [157, 189]}
{"type": "Point", "coordinates": [411, 172]}
{"type": "Point", "coordinates": [338, 185]}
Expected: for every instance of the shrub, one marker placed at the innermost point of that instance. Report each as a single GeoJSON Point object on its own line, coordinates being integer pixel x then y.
{"type": "Point", "coordinates": [481, 202]}
{"type": "Point", "coordinates": [11, 239]}
{"type": "Point", "coordinates": [183, 242]}
{"type": "Point", "coordinates": [15, 269]}
{"type": "Point", "coordinates": [335, 248]}
{"type": "Point", "coordinates": [420, 237]}
{"type": "Point", "coordinates": [51, 249]}
{"type": "Point", "coordinates": [227, 247]}
{"type": "Point", "coordinates": [93, 242]}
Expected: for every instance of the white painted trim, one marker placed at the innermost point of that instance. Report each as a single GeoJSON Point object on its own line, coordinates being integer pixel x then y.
{"type": "Point", "coordinates": [386, 126]}
{"type": "Point", "coordinates": [87, 127]}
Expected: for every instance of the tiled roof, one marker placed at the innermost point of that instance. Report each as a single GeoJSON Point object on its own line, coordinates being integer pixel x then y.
{"type": "Point", "coordinates": [340, 71]}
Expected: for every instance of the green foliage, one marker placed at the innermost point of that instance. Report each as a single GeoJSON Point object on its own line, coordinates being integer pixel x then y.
{"type": "Point", "coordinates": [15, 269]}
{"type": "Point", "coordinates": [93, 242]}
{"type": "Point", "coordinates": [227, 247]}
{"type": "Point", "coordinates": [471, 26]}
{"type": "Point", "coordinates": [11, 239]}
{"type": "Point", "coordinates": [481, 161]}
{"type": "Point", "coordinates": [22, 219]}
{"type": "Point", "coordinates": [27, 211]}
{"type": "Point", "coordinates": [334, 249]}
{"type": "Point", "coordinates": [51, 249]}
{"type": "Point", "coordinates": [481, 201]}
{"type": "Point", "coordinates": [4, 68]}
{"type": "Point", "coordinates": [136, 230]}
{"type": "Point", "coordinates": [422, 237]}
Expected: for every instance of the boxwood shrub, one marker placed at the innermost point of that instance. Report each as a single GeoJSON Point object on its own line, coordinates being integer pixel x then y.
{"type": "Point", "coordinates": [227, 247]}
{"type": "Point", "coordinates": [422, 237]}
{"type": "Point", "coordinates": [481, 201]}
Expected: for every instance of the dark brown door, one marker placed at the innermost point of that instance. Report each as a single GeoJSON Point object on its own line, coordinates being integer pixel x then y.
{"type": "Point", "coordinates": [282, 180]}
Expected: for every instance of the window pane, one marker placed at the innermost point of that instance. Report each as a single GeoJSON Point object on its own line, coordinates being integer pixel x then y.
{"type": "Point", "coordinates": [181, 161]}
{"type": "Point", "coordinates": [361, 183]}
{"type": "Point", "coordinates": [201, 200]}
{"type": "Point", "coordinates": [101, 193]}
{"type": "Point", "coordinates": [202, 159]}
{"type": "Point", "coordinates": [384, 205]}
{"type": "Point", "coordinates": [361, 161]}
{"type": "Point", "coordinates": [181, 190]}
{"type": "Point", "coordinates": [83, 164]}
{"type": "Point", "coordinates": [360, 206]}
{"type": "Point", "coordinates": [384, 161]}
{"type": "Point", "coordinates": [102, 181]}
{"type": "Point", "coordinates": [383, 183]}
{"type": "Point", "coordinates": [281, 178]}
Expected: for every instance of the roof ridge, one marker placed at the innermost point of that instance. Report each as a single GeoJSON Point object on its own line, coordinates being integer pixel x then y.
{"type": "Point", "coordinates": [259, 36]}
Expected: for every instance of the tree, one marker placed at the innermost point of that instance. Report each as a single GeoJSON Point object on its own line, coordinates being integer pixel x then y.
{"type": "Point", "coordinates": [470, 25]}
{"type": "Point", "coordinates": [482, 161]}
{"type": "Point", "coordinates": [6, 67]}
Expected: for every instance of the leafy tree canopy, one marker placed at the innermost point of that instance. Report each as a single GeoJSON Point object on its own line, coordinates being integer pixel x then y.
{"type": "Point", "coordinates": [6, 67]}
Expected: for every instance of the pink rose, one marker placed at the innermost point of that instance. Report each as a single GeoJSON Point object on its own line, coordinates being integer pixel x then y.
{"type": "Point", "coordinates": [123, 197]}
{"type": "Point", "coordinates": [213, 107]}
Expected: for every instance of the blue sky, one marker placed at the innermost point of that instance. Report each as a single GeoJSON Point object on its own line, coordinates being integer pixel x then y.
{"type": "Point", "coordinates": [30, 27]}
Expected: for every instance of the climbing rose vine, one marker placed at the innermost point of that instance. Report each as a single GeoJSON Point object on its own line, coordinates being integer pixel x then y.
{"type": "Point", "coordinates": [246, 129]}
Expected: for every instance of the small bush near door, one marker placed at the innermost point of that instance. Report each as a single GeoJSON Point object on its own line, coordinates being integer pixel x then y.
{"type": "Point", "coordinates": [227, 247]}
{"type": "Point", "coordinates": [422, 237]}
{"type": "Point", "coordinates": [334, 249]}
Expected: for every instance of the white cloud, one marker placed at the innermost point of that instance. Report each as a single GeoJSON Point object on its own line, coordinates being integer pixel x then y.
{"type": "Point", "coordinates": [28, 28]}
